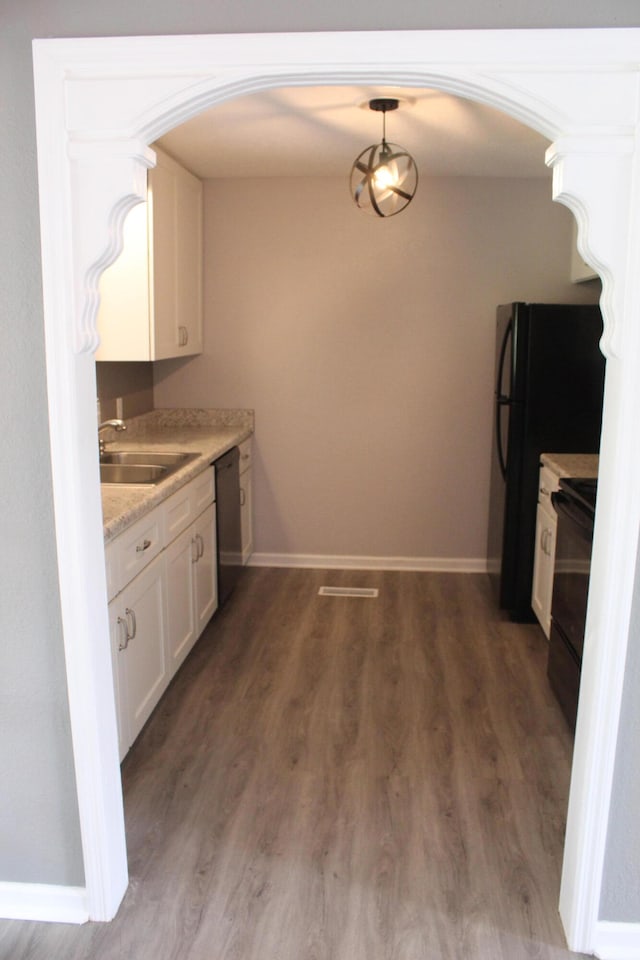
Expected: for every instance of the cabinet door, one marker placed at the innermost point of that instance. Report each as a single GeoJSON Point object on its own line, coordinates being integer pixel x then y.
{"type": "Point", "coordinates": [246, 517]}
{"type": "Point", "coordinates": [189, 298]}
{"type": "Point", "coordinates": [206, 568]}
{"type": "Point", "coordinates": [118, 633]}
{"type": "Point", "coordinates": [544, 559]}
{"type": "Point", "coordinates": [142, 663]}
{"type": "Point", "coordinates": [180, 560]}
{"type": "Point", "coordinates": [162, 260]}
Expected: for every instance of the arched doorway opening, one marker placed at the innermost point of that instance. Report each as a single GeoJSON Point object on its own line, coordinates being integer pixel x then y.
{"type": "Point", "coordinates": [94, 124]}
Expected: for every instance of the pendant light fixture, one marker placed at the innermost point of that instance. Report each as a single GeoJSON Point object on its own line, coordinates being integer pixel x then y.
{"type": "Point", "coordinates": [384, 177]}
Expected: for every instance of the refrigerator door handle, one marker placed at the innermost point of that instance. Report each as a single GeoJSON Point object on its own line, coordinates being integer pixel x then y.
{"type": "Point", "coordinates": [503, 354]}
{"type": "Point", "coordinates": [502, 400]}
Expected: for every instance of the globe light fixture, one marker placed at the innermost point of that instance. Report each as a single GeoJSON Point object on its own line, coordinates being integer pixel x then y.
{"type": "Point", "coordinates": [384, 177]}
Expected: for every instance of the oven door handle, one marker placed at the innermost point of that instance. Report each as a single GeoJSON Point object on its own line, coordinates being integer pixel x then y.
{"type": "Point", "coordinates": [566, 506]}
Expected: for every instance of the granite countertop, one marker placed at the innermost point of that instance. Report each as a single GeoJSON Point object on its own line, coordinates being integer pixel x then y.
{"type": "Point", "coordinates": [208, 432]}
{"type": "Point", "coordinates": [571, 464]}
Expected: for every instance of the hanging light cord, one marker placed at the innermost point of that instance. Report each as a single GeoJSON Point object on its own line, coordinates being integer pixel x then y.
{"type": "Point", "coordinates": [385, 146]}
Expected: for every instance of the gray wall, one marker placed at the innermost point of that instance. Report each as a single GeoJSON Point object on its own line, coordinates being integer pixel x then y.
{"type": "Point", "coordinates": [132, 382]}
{"type": "Point", "coordinates": [38, 817]}
{"type": "Point", "coordinates": [361, 344]}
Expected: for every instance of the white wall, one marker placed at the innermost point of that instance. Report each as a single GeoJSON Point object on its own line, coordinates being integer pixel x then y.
{"type": "Point", "coordinates": [366, 348]}
{"type": "Point", "coordinates": [620, 899]}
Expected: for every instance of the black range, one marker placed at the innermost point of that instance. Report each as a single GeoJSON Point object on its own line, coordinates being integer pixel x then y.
{"type": "Point", "coordinates": [575, 504]}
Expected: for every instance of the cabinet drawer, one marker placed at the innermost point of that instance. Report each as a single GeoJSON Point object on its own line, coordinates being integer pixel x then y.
{"type": "Point", "coordinates": [186, 504]}
{"type": "Point", "coordinates": [178, 513]}
{"type": "Point", "coordinates": [203, 490]}
{"type": "Point", "coordinates": [245, 454]}
{"type": "Point", "coordinates": [111, 565]}
{"type": "Point", "coordinates": [136, 547]}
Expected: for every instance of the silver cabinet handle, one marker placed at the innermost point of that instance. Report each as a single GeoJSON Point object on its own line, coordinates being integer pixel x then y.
{"type": "Point", "coordinates": [130, 615]}
{"type": "Point", "coordinates": [143, 546]}
{"type": "Point", "coordinates": [243, 497]}
{"type": "Point", "coordinates": [123, 644]}
{"type": "Point", "coordinates": [130, 627]}
{"type": "Point", "coordinates": [198, 543]}
{"type": "Point", "coordinates": [183, 336]}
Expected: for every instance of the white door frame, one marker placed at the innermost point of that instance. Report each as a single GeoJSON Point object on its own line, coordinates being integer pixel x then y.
{"type": "Point", "coordinates": [100, 102]}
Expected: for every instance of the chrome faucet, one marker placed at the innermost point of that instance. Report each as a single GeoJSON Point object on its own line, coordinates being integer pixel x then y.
{"type": "Point", "coordinates": [118, 425]}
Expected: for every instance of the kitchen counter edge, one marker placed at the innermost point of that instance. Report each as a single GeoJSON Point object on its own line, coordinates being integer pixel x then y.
{"type": "Point", "coordinates": [571, 464]}
{"type": "Point", "coordinates": [123, 504]}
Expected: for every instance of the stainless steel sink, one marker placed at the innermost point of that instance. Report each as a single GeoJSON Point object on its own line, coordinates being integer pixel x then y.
{"type": "Point", "coordinates": [131, 473]}
{"type": "Point", "coordinates": [141, 466]}
{"type": "Point", "coordinates": [158, 458]}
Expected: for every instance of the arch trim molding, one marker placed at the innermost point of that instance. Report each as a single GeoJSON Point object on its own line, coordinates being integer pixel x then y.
{"type": "Point", "coordinates": [101, 102]}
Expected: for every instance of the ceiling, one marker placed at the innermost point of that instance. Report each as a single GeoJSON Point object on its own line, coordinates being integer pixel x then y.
{"type": "Point", "coordinates": [319, 131]}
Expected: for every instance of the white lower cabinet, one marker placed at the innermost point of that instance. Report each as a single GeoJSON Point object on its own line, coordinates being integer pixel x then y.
{"type": "Point", "coordinates": [192, 589]}
{"type": "Point", "coordinates": [157, 616]}
{"type": "Point", "coordinates": [206, 569]}
{"type": "Point", "coordinates": [545, 549]}
{"type": "Point", "coordinates": [180, 590]}
{"type": "Point", "coordinates": [138, 625]}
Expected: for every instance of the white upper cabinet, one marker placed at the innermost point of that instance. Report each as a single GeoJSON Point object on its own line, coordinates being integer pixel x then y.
{"type": "Point", "coordinates": [151, 297]}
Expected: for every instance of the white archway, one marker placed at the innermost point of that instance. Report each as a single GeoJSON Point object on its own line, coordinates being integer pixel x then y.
{"type": "Point", "coordinates": [100, 102]}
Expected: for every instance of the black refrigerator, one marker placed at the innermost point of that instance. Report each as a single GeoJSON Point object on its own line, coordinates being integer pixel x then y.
{"type": "Point", "coordinates": [549, 381]}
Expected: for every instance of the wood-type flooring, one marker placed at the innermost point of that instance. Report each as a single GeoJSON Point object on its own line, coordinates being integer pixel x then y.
{"type": "Point", "coordinates": [342, 779]}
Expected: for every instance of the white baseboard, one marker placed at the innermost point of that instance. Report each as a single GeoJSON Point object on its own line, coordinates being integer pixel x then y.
{"type": "Point", "coordinates": [319, 562]}
{"type": "Point", "coordinates": [41, 901]}
{"type": "Point", "coordinates": [617, 941]}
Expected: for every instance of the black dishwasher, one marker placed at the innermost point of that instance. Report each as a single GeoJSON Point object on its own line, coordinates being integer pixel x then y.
{"type": "Point", "coordinates": [228, 529]}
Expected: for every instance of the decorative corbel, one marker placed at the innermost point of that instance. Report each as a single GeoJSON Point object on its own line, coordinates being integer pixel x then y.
{"type": "Point", "coordinates": [109, 179]}
{"type": "Point", "coordinates": [580, 167]}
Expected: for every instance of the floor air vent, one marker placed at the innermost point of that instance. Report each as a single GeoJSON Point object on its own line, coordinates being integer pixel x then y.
{"type": "Point", "coordinates": [348, 592]}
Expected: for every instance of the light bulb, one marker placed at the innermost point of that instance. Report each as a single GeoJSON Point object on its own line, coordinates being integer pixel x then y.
{"type": "Point", "coordinates": [386, 176]}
